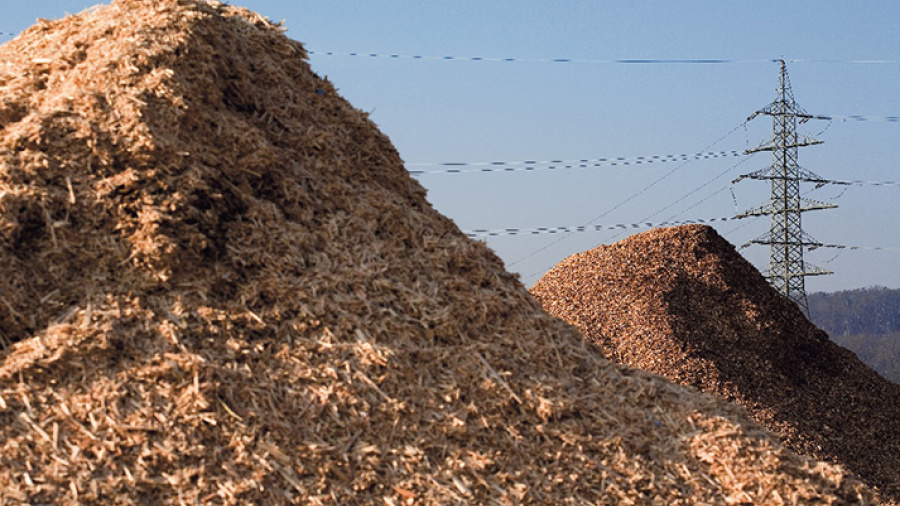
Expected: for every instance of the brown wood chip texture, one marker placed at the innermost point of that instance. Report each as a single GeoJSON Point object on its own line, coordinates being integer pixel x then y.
{"type": "Point", "coordinates": [682, 302]}
{"type": "Point", "coordinates": [221, 286]}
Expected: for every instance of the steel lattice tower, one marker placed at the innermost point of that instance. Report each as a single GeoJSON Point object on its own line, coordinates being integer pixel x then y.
{"type": "Point", "coordinates": [786, 239]}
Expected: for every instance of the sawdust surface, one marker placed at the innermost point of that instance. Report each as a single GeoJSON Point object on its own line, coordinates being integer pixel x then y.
{"type": "Point", "coordinates": [220, 286]}
{"type": "Point", "coordinates": [683, 303]}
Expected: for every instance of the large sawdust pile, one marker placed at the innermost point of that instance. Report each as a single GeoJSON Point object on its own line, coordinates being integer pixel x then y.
{"type": "Point", "coordinates": [221, 286]}
{"type": "Point", "coordinates": [681, 302]}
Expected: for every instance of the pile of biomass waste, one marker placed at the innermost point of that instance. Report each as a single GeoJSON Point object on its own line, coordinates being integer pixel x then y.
{"type": "Point", "coordinates": [221, 286]}
{"type": "Point", "coordinates": [682, 302]}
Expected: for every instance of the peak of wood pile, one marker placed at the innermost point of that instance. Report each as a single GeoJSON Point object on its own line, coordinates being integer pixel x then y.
{"type": "Point", "coordinates": [221, 286]}
{"type": "Point", "coordinates": [682, 303]}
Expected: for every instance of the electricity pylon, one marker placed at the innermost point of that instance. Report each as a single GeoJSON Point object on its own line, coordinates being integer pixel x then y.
{"type": "Point", "coordinates": [786, 238]}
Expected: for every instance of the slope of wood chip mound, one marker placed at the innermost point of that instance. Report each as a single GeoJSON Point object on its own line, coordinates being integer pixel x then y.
{"type": "Point", "coordinates": [681, 302]}
{"type": "Point", "coordinates": [220, 286]}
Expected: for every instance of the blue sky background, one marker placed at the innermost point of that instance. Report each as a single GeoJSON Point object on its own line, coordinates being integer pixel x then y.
{"type": "Point", "coordinates": [468, 111]}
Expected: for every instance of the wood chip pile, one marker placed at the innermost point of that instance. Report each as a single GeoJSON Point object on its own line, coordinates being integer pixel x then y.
{"type": "Point", "coordinates": [221, 286]}
{"type": "Point", "coordinates": [682, 302]}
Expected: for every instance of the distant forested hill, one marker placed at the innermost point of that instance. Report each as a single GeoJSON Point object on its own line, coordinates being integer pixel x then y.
{"type": "Point", "coordinates": [880, 352]}
{"type": "Point", "coordinates": [865, 321]}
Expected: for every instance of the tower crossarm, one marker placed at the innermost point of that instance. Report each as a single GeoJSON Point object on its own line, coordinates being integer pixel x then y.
{"type": "Point", "coordinates": [812, 270]}
{"type": "Point", "coordinates": [803, 240]}
{"type": "Point", "coordinates": [809, 270]}
{"type": "Point", "coordinates": [815, 205]}
{"type": "Point", "coordinates": [802, 115]}
{"type": "Point", "coordinates": [772, 146]}
{"type": "Point", "coordinates": [772, 173]}
{"type": "Point", "coordinates": [756, 211]}
{"type": "Point", "coordinates": [768, 209]}
{"type": "Point", "coordinates": [796, 275]}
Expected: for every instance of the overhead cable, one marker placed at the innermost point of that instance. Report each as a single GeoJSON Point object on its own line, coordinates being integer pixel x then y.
{"type": "Point", "coordinates": [861, 183]}
{"type": "Point", "coordinates": [631, 197]}
{"type": "Point", "coordinates": [889, 119]}
{"type": "Point", "coordinates": [864, 61]}
{"type": "Point", "coordinates": [627, 61]}
{"type": "Point", "coordinates": [533, 165]}
{"type": "Point", "coordinates": [812, 247]}
{"type": "Point", "coordinates": [844, 246]}
{"type": "Point", "coordinates": [745, 223]}
{"type": "Point", "coordinates": [697, 189]}
{"type": "Point", "coordinates": [582, 228]}
{"type": "Point", "coordinates": [395, 56]}
{"type": "Point", "coordinates": [704, 185]}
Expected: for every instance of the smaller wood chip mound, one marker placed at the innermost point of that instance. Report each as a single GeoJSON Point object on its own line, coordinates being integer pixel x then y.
{"type": "Point", "coordinates": [681, 302]}
{"type": "Point", "coordinates": [221, 286]}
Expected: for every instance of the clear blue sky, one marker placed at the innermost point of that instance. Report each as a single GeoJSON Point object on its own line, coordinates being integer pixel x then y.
{"type": "Point", "coordinates": [467, 111]}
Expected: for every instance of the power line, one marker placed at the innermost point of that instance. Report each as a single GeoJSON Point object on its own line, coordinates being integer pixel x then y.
{"type": "Point", "coordinates": [846, 247]}
{"type": "Point", "coordinates": [815, 246]}
{"type": "Point", "coordinates": [625, 61]}
{"type": "Point", "coordinates": [746, 223]}
{"type": "Point", "coordinates": [671, 218]}
{"type": "Point", "coordinates": [863, 61]}
{"type": "Point", "coordinates": [839, 195]}
{"type": "Point", "coordinates": [861, 183]}
{"type": "Point", "coordinates": [889, 119]}
{"type": "Point", "coordinates": [395, 56]}
{"type": "Point", "coordinates": [631, 197]}
{"type": "Point", "coordinates": [534, 165]}
{"type": "Point", "coordinates": [840, 247]}
{"type": "Point", "coordinates": [580, 160]}
{"type": "Point", "coordinates": [583, 228]}
{"type": "Point", "coordinates": [695, 190]}
{"type": "Point", "coordinates": [836, 255]}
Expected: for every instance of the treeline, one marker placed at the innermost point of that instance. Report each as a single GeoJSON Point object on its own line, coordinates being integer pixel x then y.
{"type": "Point", "coordinates": [865, 321]}
{"type": "Point", "coordinates": [874, 310]}
{"type": "Point", "coordinates": [880, 352]}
